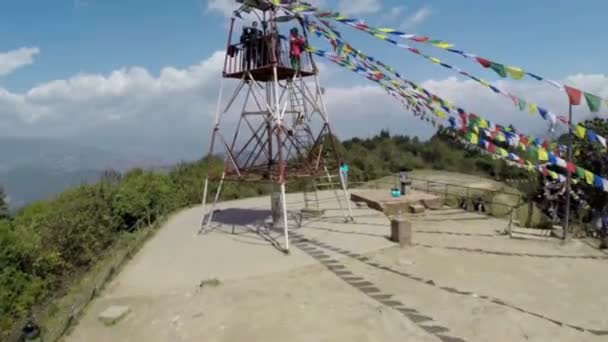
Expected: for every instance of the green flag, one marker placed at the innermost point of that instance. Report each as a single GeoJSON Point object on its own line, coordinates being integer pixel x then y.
{"type": "Point", "coordinates": [522, 104]}
{"type": "Point", "coordinates": [580, 172]}
{"type": "Point", "coordinates": [499, 68]}
{"type": "Point", "coordinates": [594, 102]}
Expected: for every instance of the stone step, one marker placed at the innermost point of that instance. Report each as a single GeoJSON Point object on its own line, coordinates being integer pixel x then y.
{"type": "Point", "coordinates": [532, 234]}
{"type": "Point", "coordinates": [113, 314]}
{"type": "Point", "coordinates": [416, 208]}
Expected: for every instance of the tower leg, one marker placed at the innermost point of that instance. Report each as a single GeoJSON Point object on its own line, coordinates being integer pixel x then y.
{"type": "Point", "coordinates": [346, 197]}
{"type": "Point", "coordinates": [217, 196]}
{"type": "Point", "coordinates": [285, 227]}
{"type": "Point", "coordinates": [205, 189]}
{"type": "Point", "coordinates": [330, 181]}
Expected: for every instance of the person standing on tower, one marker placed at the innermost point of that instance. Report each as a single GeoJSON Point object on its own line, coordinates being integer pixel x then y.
{"type": "Point", "coordinates": [256, 45]}
{"type": "Point", "coordinates": [246, 46]}
{"type": "Point", "coordinates": [296, 44]}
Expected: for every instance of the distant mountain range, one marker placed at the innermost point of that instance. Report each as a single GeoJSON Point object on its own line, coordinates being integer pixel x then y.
{"type": "Point", "coordinates": [33, 169]}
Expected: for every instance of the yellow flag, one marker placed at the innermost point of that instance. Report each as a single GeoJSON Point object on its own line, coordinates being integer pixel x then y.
{"type": "Point", "coordinates": [589, 177]}
{"type": "Point", "coordinates": [542, 154]}
{"type": "Point", "coordinates": [515, 72]}
{"type": "Point", "coordinates": [475, 129]}
{"type": "Point", "coordinates": [474, 139]}
{"type": "Point", "coordinates": [503, 152]}
{"type": "Point", "coordinates": [500, 137]}
{"type": "Point", "coordinates": [580, 131]}
{"type": "Point", "coordinates": [439, 113]}
{"type": "Point", "coordinates": [483, 123]}
{"type": "Point", "coordinates": [386, 30]}
{"type": "Point", "coordinates": [443, 45]}
{"type": "Point", "coordinates": [532, 107]}
{"type": "Point", "coordinates": [434, 60]}
{"type": "Point", "coordinates": [485, 83]}
{"type": "Point", "coordinates": [380, 36]}
{"type": "Point", "coordinates": [553, 174]}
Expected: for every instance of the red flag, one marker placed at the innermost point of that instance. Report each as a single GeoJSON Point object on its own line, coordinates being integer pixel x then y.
{"type": "Point", "coordinates": [545, 171]}
{"type": "Point", "coordinates": [571, 167]}
{"type": "Point", "coordinates": [574, 95]}
{"type": "Point", "coordinates": [523, 139]}
{"type": "Point", "coordinates": [484, 62]}
{"type": "Point", "coordinates": [420, 39]}
{"type": "Point", "coordinates": [414, 50]}
{"type": "Point", "coordinates": [491, 147]}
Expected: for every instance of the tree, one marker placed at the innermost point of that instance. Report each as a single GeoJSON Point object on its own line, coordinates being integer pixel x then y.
{"type": "Point", "coordinates": [591, 156]}
{"type": "Point", "coordinates": [4, 213]}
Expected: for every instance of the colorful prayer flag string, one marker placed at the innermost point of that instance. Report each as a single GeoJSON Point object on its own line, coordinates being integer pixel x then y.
{"type": "Point", "coordinates": [594, 102]}
{"type": "Point", "coordinates": [446, 105]}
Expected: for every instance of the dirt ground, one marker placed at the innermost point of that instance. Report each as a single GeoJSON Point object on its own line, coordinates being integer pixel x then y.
{"type": "Point", "coordinates": [460, 281]}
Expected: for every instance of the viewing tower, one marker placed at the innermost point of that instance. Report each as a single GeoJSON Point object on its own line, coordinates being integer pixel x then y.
{"type": "Point", "coordinates": [274, 127]}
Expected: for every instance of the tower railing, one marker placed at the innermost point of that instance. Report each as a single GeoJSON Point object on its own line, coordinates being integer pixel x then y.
{"type": "Point", "coordinates": [241, 57]}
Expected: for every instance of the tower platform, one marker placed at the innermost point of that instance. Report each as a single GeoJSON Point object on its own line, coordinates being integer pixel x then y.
{"type": "Point", "coordinates": [265, 73]}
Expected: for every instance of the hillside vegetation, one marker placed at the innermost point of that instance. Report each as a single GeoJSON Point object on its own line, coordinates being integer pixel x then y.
{"type": "Point", "coordinates": [48, 245]}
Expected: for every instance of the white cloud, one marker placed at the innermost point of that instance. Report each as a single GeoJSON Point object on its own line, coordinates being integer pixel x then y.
{"type": "Point", "coordinates": [170, 112]}
{"type": "Point", "coordinates": [15, 59]}
{"type": "Point", "coordinates": [417, 17]}
{"type": "Point", "coordinates": [395, 12]}
{"type": "Point", "coordinates": [128, 104]}
{"type": "Point", "coordinates": [365, 110]}
{"type": "Point", "coordinates": [353, 7]}
{"type": "Point", "coordinates": [225, 7]}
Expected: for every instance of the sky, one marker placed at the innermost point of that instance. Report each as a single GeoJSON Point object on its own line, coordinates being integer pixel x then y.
{"type": "Point", "coordinates": [143, 75]}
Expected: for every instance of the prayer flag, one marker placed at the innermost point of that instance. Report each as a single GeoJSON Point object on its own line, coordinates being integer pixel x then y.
{"type": "Point", "coordinates": [580, 172]}
{"type": "Point", "coordinates": [532, 107]}
{"type": "Point", "coordinates": [553, 174]}
{"type": "Point", "coordinates": [542, 154]}
{"type": "Point", "coordinates": [499, 69]}
{"type": "Point", "coordinates": [597, 182]}
{"type": "Point", "coordinates": [522, 104]}
{"type": "Point", "coordinates": [440, 44]}
{"type": "Point", "coordinates": [514, 72]}
{"type": "Point", "coordinates": [484, 62]}
{"type": "Point", "coordinates": [574, 95]}
{"type": "Point", "coordinates": [580, 131]}
{"type": "Point", "coordinates": [589, 177]}
{"type": "Point", "coordinates": [594, 102]}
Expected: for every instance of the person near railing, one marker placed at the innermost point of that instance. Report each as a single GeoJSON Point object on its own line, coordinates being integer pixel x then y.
{"type": "Point", "coordinates": [278, 38]}
{"type": "Point", "coordinates": [257, 42]}
{"type": "Point", "coordinates": [245, 44]}
{"type": "Point", "coordinates": [296, 45]}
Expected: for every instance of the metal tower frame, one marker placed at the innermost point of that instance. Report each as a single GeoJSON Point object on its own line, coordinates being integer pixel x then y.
{"type": "Point", "coordinates": [283, 131]}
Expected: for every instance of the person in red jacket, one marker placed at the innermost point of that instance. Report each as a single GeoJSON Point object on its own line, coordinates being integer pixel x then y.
{"type": "Point", "coordinates": [296, 45]}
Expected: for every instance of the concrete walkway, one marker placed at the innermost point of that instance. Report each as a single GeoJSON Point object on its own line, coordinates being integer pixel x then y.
{"type": "Point", "coordinates": [461, 281]}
